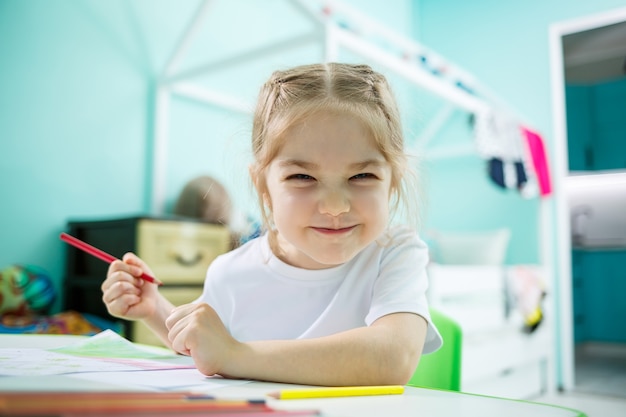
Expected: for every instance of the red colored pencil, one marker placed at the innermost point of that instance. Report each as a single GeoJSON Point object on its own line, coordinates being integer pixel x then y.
{"type": "Point", "coordinates": [92, 250]}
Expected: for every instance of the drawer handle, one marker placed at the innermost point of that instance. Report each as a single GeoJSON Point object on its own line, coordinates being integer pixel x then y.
{"type": "Point", "coordinates": [189, 261]}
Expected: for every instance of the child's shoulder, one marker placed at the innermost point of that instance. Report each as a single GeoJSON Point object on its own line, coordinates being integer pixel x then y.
{"type": "Point", "coordinates": [402, 244]}
{"type": "Point", "coordinates": [398, 242]}
{"type": "Point", "coordinates": [251, 251]}
{"type": "Point", "coordinates": [401, 235]}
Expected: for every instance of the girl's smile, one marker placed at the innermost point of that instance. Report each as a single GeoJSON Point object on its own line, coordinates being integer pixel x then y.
{"type": "Point", "coordinates": [333, 231]}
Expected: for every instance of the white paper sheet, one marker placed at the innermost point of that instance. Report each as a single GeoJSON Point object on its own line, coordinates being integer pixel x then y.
{"type": "Point", "coordinates": [104, 352]}
{"type": "Point", "coordinates": [189, 380]}
{"type": "Point", "coordinates": [28, 362]}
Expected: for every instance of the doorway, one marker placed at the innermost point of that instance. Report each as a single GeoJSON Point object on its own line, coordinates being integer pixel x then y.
{"type": "Point", "coordinates": [584, 52]}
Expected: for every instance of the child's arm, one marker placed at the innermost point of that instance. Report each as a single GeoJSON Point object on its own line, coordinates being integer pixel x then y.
{"type": "Point", "coordinates": [131, 298]}
{"type": "Point", "coordinates": [385, 353]}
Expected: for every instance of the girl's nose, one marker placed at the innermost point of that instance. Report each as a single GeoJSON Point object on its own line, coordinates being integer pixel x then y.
{"type": "Point", "coordinates": [334, 202]}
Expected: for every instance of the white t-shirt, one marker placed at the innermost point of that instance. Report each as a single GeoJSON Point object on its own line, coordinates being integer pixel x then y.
{"type": "Point", "coordinates": [259, 297]}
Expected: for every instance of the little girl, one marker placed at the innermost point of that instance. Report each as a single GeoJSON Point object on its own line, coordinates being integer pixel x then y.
{"type": "Point", "coordinates": [331, 294]}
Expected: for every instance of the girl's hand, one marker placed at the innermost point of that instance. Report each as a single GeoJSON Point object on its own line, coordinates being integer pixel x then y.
{"type": "Point", "coordinates": [196, 330]}
{"type": "Point", "coordinates": [125, 294]}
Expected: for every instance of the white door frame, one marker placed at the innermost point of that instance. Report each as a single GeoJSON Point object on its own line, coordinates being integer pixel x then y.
{"type": "Point", "coordinates": [565, 329]}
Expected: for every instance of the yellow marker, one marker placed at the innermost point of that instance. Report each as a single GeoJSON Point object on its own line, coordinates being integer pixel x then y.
{"type": "Point", "coordinates": [294, 394]}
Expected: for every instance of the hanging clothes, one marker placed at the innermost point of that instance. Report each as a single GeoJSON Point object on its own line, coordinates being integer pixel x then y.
{"type": "Point", "coordinates": [501, 144]}
{"type": "Point", "coordinates": [539, 158]}
{"type": "Point", "coordinates": [507, 174]}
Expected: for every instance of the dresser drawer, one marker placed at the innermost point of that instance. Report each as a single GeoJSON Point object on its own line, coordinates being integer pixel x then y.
{"type": "Point", "coordinates": [180, 252]}
{"type": "Point", "coordinates": [140, 333]}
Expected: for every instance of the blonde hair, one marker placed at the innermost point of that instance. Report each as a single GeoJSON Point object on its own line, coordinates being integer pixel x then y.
{"type": "Point", "coordinates": [290, 96]}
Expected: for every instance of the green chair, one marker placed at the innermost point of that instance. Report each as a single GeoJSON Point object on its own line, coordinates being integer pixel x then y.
{"type": "Point", "coordinates": [441, 369]}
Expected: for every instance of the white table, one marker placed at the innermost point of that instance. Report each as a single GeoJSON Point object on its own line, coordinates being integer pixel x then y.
{"type": "Point", "coordinates": [414, 402]}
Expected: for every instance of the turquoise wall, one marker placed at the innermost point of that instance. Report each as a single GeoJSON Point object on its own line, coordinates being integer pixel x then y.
{"type": "Point", "coordinates": [578, 99]}
{"type": "Point", "coordinates": [599, 287]}
{"type": "Point", "coordinates": [77, 81]}
{"type": "Point", "coordinates": [77, 88]}
{"type": "Point", "coordinates": [596, 125]}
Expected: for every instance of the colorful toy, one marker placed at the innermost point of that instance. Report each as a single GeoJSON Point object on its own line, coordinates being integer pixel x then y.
{"type": "Point", "coordinates": [24, 290]}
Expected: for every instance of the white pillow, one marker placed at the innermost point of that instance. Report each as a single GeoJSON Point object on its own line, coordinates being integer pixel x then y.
{"type": "Point", "coordinates": [471, 248]}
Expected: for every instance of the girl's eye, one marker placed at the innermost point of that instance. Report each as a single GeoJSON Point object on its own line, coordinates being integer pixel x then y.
{"type": "Point", "coordinates": [300, 177]}
{"type": "Point", "coordinates": [363, 176]}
